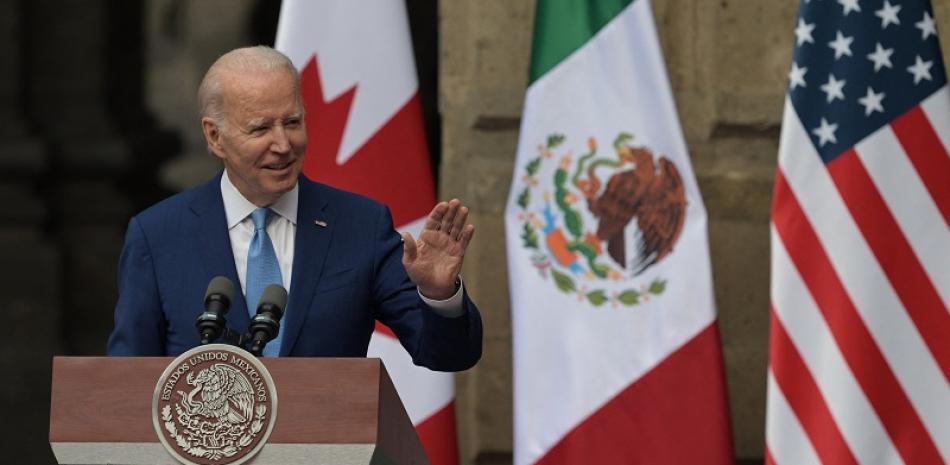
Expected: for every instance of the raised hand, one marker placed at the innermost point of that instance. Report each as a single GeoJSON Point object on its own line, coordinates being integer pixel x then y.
{"type": "Point", "coordinates": [434, 261]}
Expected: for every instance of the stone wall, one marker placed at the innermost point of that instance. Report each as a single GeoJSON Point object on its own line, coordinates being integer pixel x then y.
{"type": "Point", "coordinates": [77, 147]}
{"type": "Point", "coordinates": [484, 51]}
{"type": "Point", "coordinates": [182, 43]}
{"type": "Point", "coordinates": [728, 62]}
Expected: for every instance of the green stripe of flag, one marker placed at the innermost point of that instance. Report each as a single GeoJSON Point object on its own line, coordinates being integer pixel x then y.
{"type": "Point", "coordinates": [563, 26]}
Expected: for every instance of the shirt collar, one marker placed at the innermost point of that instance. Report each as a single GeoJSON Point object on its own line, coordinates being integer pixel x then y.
{"type": "Point", "coordinates": [237, 207]}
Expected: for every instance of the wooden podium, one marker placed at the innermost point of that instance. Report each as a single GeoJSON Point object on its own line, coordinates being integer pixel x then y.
{"type": "Point", "coordinates": [331, 411]}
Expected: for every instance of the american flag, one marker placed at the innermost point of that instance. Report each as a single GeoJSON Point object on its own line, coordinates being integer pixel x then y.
{"type": "Point", "coordinates": [860, 333]}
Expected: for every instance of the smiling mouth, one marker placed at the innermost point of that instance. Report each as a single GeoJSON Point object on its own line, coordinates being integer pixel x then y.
{"type": "Point", "coordinates": [279, 166]}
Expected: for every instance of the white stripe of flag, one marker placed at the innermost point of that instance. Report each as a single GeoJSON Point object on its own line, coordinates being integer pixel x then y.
{"type": "Point", "coordinates": [866, 283]}
{"type": "Point", "coordinates": [814, 342]}
{"type": "Point", "coordinates": [784, 436]}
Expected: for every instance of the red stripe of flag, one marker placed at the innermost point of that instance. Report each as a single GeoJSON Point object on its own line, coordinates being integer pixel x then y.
{"type": "Point", "coordinates": [895, 255]}
{"type": "Point", "coordinates": [927, 154]}
{"type": "Point", "coordinates": [384, 330]}
{"type": "Point", "coordinates": [676, 413]}
{"type": "Point", "coordinates": [800, 388]}
{"type": "Point", "coordinates": [438, 434]}
{"type": "Point", "coordinates": [769, 459]}
{"type": "Point", "coordinates": [861, 353]}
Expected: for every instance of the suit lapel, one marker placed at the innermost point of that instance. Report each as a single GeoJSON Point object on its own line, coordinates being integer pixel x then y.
{"type": "Point", "coordinates": [311, 242]}
{"type": "Point", "coordinates": [215, 250]}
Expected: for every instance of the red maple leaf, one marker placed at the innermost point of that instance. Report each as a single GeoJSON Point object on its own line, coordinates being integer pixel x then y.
{"type": "Point", "coordinates": [392, 166]}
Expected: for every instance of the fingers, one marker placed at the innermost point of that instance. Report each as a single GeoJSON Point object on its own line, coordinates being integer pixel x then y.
{"type": "Point", "coordinates": [459, 224]}
{"type": "Point", "coordinates": [466, 236]}
{"type": "Point", "coordinates": [409, 249]}
{"type": "Point", "coordinates": [449, 218]}
{"type": "Point", "coordinates": [434, 221]}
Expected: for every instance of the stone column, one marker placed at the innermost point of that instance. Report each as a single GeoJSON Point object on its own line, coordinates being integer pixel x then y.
{"type": "Point", "coordinates": [23, 158]}
{"type": "Point", "coordinates": [83, 59]}
{"type": "Point", "coordinates": [183, 39]}
{"type": "Point", "coordinates": [68, 99]}
{"type": "Point", "coordinates": [484, 52]}
{"type": "Point", "coordinates": [29, 285]}
{"type": "Point", "coordinates": [727, 62]}
{"type": "Point", "coordinates": [30, 299]}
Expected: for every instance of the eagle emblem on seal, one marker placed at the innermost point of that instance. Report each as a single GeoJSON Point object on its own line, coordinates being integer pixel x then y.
{"type": "Point", "coordinates": [222, 395]}
{"type": "Point", "coordinates": [596, 222]}
{"type": "Point", "coordinates": [214, 405]}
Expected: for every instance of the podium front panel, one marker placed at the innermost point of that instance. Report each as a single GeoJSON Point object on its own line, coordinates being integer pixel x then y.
{"type": "Point", "coordinates": [331, 411]}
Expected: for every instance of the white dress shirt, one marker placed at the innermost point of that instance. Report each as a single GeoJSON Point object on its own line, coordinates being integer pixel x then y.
{"type": "Point", "coordinates": [282, 229]}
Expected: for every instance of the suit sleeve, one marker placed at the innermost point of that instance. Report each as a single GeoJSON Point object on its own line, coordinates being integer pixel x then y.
{"type": "Point", "coordinates": [436, 342]}
{"type": "Point", "coordinates": [139, 322]}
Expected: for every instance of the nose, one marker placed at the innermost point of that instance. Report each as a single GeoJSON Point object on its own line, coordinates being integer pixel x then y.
{"type": "Point", "coordinates": [280, 142]}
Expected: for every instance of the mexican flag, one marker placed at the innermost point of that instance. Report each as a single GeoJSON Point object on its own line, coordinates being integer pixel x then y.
{"type": "Point", "coordinates": [617, 356]}
{"type": "Point", "coordinates": [365, 134]}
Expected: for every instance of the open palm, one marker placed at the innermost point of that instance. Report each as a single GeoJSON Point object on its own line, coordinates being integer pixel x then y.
{"type": "Point", "coordinates": [434, 261]}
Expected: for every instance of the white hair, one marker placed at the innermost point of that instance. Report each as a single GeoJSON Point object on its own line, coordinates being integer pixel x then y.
{"type": "Point", "coordinates": [242, 60]}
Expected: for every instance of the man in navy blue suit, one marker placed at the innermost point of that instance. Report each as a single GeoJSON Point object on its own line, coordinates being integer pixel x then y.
{"type": "Point", "coordinates": [262, 221]}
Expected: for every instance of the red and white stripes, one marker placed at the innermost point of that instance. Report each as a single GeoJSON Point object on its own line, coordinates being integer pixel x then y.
{"type": "Point", "coordinates": [860, 345]}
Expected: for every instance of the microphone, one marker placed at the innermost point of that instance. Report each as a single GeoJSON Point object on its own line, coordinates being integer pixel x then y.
{"type": "Point", "coordinates": [266, 324]}
{"type": "Point", "coordinates": [218, 299]}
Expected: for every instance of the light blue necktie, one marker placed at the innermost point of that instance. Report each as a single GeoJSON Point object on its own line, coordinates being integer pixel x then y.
{"type": "Point", "coordinates": [263, 269]}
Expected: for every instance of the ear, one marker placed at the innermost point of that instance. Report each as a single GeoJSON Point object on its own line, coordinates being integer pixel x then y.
{"type": "Point", "coordinates": [212, 136]}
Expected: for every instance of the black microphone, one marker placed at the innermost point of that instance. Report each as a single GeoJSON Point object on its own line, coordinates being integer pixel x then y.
{"type": "Point", "coordinates": [218, 299]}
{"type": "Point", "coordinates": [266, 324]}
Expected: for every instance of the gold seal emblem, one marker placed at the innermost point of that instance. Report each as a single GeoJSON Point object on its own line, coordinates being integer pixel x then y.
{"type": "Point", "coordinates": [214, 404]}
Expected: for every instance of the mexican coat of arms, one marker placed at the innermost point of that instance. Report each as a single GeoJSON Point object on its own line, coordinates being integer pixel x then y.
{"type": "Point", "coordinates": [594, 223]}
{"type": "Point", "coordinates": [215, 404]}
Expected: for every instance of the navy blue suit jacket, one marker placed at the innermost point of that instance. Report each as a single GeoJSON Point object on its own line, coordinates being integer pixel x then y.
{"type": "Point", "coordinates": [345, 275]}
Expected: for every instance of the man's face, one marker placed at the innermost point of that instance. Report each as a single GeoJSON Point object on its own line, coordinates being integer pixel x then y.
{"type": "Point", "coordinates": [263, 138]}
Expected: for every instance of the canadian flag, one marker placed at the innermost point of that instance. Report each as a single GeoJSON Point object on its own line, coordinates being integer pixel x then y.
{"type": "Point", "coordinates": [364, 125]}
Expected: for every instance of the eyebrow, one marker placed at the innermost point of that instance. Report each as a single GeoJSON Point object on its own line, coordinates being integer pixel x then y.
{"type": "Point", "coordinates": [261, 121]}
{"type": "Point", "coordinates": [256, 122]}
